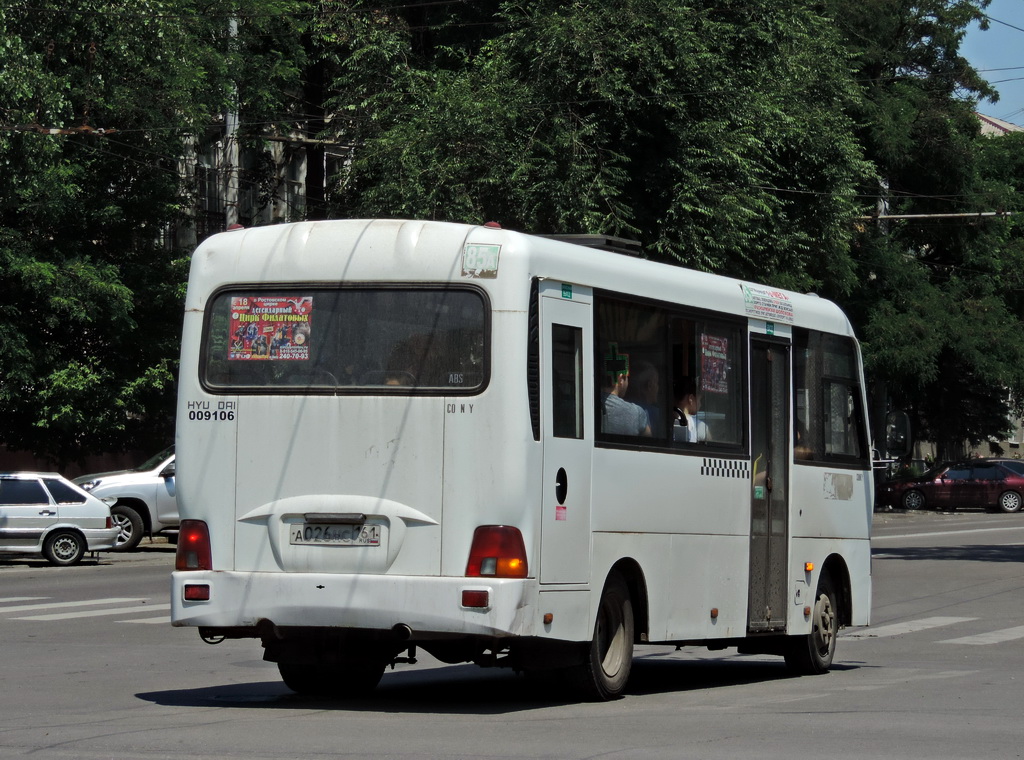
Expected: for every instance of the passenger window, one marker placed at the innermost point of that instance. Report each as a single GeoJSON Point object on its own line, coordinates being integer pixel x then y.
{"type": "Point", "coordinates": [707, 388]}
{"type": "Point", "coordinates": [17, 492]}
{"type": "Point", "coordinates": [567, 381]}
{"type": "Point", "coordinates": [987, 472]}
{"type": "Point", "coordinates": [631, 371]}
{"type": "Point", "coordinates": [62, 493]}
{"type": "Point", "coordinates": [828, 415]}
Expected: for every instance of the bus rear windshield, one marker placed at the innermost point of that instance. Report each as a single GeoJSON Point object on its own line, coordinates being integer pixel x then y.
{"type": "Point", "coordinates": [347, 340]}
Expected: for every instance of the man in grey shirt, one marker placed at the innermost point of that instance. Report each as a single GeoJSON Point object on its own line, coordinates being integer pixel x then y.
{"type": "Point", "coordinates": [618, 416]}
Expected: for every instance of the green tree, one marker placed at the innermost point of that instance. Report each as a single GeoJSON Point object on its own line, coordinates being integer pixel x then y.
{"type": "Point", "coordinates": [712, 132]}
{"type": "Point", "coordinates": [101, 101]}
{"type": "Point", "coordinates": [936, 302]}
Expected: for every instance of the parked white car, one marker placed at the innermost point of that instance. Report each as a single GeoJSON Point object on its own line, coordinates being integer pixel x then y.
{"type": "Point", "coordinates": [144, 499]}
{"type": "Point", "coordinates": [43, 513]}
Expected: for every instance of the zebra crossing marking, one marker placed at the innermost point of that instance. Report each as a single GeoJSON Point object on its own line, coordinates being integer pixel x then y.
{"type": "Point", "coordinates": [993, 637]}
{"type": "Point", "coordinates": [911, 626]}
{"type": "Point", "coordinates": [58, 605]}
{"type": "Point", "coordinates": [95, 613]}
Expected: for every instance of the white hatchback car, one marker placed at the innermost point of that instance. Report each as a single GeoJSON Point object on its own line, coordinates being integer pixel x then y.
{"type": "Point", "coordinates": [43, 513]}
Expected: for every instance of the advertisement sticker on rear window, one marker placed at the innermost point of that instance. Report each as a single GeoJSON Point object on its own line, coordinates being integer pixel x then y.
{"type": "Point", "coordinates": [270, 328]}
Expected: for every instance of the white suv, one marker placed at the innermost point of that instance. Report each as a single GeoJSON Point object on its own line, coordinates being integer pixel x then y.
{"type": "Point", "coordinates": [146, 503]}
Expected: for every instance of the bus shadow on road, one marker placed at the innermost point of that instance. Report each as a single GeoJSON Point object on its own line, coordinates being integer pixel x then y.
{"type": "Point", "coordinates": [469, 690]}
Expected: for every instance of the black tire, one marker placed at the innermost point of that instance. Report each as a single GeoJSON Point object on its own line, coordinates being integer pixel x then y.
{"type": "Point", "coordinates": [913, 500]}
{"type": "Point", "coordinates": [1010, 501]}
{"type": "Point", "coordinates": [812, 654]}
{"type": "Point", "coordinates": [605, 670]}
{"type": "Point", "coordinates": [339, 681]}
{"type": "Point", "coordinates": [64, 547]}
{"type": "Point", "coordinates": [129, 528]}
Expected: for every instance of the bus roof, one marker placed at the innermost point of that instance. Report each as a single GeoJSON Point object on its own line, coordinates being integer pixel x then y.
{"type": "Point", "coordinates": [388, 250]}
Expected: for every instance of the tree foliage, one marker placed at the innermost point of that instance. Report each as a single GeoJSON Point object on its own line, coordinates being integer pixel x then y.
{"type": "Point", "coordinates": [681, 124]}
{"type": "Point", "coordinates": [90, 299]}
{"type": "Point", "coordinates": [936, 301]}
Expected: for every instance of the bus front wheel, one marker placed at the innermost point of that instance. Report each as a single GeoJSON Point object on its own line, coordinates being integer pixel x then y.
{"type": "Point", "coordinates": [812, 654]}
{"type": "Point", "coordinates": [609, 658]}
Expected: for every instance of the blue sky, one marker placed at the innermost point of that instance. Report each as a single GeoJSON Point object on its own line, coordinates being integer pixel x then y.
{"type": "Point", "coordinates": [998, 54]}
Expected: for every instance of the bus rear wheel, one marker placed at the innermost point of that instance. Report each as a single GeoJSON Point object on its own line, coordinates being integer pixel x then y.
{"type": "Point", "coordinates": [605, 670]}
{"type": "Point", "coordinates": [339, 681]}
{"type": "Point", "coordinates": [812, 654]}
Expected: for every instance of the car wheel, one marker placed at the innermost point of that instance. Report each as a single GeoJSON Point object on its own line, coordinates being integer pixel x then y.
{"type": "Point", "coordinates": [812, 654]}
{"type": "Point", "coordinates": [913, 500]}
{"type": "Point", "coordinates": [1010, 501]}
{"type": "Point", "coordinates": [129, 527]}
{"type": "Point", "coordinates": [609, 659]}
{"type": "Point", "coordinates": [64, 547]}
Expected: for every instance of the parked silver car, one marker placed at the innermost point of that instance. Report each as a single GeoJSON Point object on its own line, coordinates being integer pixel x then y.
{"type": "Point", "coordinates": [144, 500]}
{"type": "Point", "coordinates": [43, 513]}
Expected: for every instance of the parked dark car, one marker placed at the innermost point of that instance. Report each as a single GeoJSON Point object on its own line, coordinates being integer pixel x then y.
{"type": "Point", "coordinates": [988, 483]}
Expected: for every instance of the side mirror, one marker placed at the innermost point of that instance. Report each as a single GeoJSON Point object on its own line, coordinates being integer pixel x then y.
{"type": "Point", "coordinates": [898, 441]}
{"type": "Point", "coordinates": [168, 471]}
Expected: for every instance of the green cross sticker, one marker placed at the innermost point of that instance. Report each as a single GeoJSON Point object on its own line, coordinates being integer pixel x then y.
{"type": "Point", "coordinates": [615, 364]}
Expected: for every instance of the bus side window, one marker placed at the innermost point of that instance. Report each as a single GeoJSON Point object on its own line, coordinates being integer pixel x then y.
{"type": "Point", "coordinates": [567, 381]}
{"type": "Point", "coordinates": [829, 420]}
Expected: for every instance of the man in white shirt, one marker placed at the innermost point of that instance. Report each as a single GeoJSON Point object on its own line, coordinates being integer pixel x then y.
{"type": "Point", "coordinates": [688, 428]}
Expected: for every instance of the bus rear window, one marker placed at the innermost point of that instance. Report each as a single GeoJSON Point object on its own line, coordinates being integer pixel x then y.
{"type": "Point", "coordinates": [346, 339]}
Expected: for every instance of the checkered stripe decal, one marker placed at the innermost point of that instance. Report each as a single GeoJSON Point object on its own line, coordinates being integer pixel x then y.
{"type": "Point", "coordinates": [725, 468]}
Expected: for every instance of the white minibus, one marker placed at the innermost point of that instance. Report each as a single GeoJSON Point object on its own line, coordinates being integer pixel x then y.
{"type": "Point", "coordinates": [512, 450]}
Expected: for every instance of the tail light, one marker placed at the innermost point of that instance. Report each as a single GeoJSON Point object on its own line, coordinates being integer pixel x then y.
{"type": "Point", "coordinates": [110, 522]}
{"type": "Point", "coordinates": [497, 552]}
{"type": "Point", "coordinates": [193, 546]}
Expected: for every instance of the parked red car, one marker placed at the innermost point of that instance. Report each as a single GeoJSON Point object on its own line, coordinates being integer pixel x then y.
{"type": "Point", "coordinates": [987, 483]}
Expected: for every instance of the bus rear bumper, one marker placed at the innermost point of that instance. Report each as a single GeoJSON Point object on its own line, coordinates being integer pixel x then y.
{"type": "Point", "coordinates": [431, 607]}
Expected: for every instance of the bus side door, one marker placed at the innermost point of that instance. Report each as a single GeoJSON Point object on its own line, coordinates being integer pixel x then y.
{"type": "Point", "coordinates": [567, 431]}
{"type": "Point", "coordinates": [769, 507]}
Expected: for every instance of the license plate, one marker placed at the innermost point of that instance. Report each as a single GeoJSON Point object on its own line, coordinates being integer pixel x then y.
{"type": "Point", "coordinates": [335, 535]}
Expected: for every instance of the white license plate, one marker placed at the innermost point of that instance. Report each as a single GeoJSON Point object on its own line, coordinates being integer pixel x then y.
{"type": "Point", "coordinates": [335, 535]}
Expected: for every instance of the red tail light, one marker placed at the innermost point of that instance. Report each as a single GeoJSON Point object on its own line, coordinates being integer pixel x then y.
{"type": "Point", "coordinates": [497, 552]}
{"type": "Point", "coordinates": [193, 546]}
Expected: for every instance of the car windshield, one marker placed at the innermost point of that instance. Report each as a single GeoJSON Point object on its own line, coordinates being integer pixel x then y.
{"type": "Point", "coordinates": [153, 461]}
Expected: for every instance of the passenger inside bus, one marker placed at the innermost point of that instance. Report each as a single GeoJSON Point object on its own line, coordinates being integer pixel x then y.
{"type": "Point", "coordinates": [645, 392]}
{"type": "Point", "coordinates": [689, 429]}
{"type": "Point", "coordinates": [618, 416]}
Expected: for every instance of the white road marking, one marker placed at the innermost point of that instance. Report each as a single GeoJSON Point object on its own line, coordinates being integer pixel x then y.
{"type": "Point", "coordinates": [22, 599]}
{"type": "Point", "coordinates": [995, 637]}
{"type": "Point", "coordinates": [58, 605]}
{"type": "Point", "coordinates": [948, 533]}
{"type": "Point", "coordinates": [96, 613]}
{"type": "Point", "coordinates": [165, 620]}
{"type": "Point", "coordinates": [911, 626]}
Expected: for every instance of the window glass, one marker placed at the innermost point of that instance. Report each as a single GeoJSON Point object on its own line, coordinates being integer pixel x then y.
{"type": "Point", "coordinates": [391, 340]}
{"type": "Point", "coordinates": [631, 371]}
{"type": "Point", "coordinates": [986, 472]}
{"type": "Point", "coordinates": [958, 473]}
{"type": "Point", "coordinates": [1014, 466]}
{"type": "Point", "coordinates": [62, 493]}
{"type": "Point", "coordinates": [666, 379]}
{"type": "Point", "coordinates": [567, 381]}
{"type": "Point", "coordinates": [707, 387]}
{"type": "Point", "coordinates": [14, 491]}
{"type": "Point", "coordinates": [828, 418]}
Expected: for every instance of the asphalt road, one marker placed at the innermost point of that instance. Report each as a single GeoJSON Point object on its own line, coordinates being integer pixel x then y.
{"type": "Point", "coordinates": [92, 669]}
